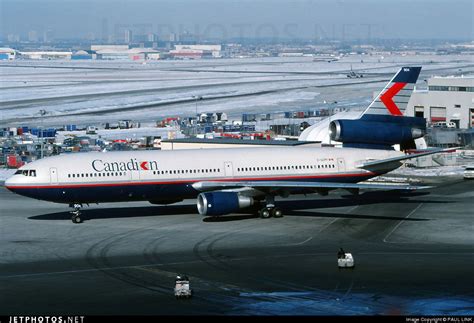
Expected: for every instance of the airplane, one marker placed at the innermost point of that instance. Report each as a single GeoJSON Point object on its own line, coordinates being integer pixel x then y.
{"type": "Point", "coordinates": [353, 74]}
{"type": "Point", "coordinates": [226, 180]}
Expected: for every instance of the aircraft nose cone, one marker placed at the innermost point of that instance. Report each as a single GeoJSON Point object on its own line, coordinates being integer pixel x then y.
{"type": "Point", "coordinates": [9, 183]}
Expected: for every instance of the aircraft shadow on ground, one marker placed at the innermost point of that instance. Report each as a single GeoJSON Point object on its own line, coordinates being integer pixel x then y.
{"type": "Point", "coordinates": [290, 208]}
{"type": "Point", "coordinates": [122, 212]}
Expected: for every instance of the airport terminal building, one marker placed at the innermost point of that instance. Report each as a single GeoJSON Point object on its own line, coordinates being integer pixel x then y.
{"type": "Point", "coordinates": [449, 99]}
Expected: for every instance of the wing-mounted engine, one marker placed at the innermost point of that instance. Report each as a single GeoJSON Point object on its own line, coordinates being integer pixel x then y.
{"type": "Point", "coordinates": [377, 131]}
{"type": "Point", "coordinates": [220, 203]}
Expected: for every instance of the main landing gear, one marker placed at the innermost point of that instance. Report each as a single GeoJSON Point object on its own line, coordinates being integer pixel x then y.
{"type": "Point", "coordinates": [270, 210]}
{"type": "Point", "coordinates": [76, 214]}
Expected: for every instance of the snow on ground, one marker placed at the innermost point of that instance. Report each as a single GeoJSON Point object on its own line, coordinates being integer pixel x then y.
{"type": "Point", "coordinates": [113, 90]}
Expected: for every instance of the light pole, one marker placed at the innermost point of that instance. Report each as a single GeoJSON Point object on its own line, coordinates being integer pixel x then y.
{"type": "Point", "coordinates": [42, 113]}
{"type": "Point", "coordinates": [197, 97]}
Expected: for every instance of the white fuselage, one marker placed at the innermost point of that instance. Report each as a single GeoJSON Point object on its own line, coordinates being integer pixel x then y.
{"type": "Point", "coordinates": [154, 175]}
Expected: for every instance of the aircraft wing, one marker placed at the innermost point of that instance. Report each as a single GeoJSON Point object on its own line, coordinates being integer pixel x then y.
{"type": "Point", "coordinates": [382, 163]}
{"type": "Point", "coordinates": [278, 185]}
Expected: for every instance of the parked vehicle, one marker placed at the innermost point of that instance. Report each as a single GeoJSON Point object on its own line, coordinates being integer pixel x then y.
{"type": "Point", "coordinates": [444, 124]}
{"type": "Point", "coordinates": [469, 172]}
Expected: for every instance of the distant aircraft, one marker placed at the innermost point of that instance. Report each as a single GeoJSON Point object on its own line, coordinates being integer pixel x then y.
{"type": "Point", "coordinates": [226, 180]}
{"type": "Point", "coordinates": [353, 74]}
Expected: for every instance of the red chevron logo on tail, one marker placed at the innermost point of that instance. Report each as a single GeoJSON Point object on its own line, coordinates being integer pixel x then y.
{"type": "Point", "coordinates": [387, 98]}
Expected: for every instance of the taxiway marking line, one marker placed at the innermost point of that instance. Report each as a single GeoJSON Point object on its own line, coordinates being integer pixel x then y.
{"type": "Point", "coordinates": [235, 259]}
{"type": "Point", "coordinates": [399, 223]}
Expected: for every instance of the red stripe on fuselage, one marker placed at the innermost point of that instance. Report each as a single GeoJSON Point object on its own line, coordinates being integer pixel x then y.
{"type": "Point", "coordinates": [189, 181]}
{"type": "Point", "coordinates": [387, 98]}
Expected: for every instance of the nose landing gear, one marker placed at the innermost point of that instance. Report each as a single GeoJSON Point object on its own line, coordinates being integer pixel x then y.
{"type": "Point", "coordinates": [76, 214]}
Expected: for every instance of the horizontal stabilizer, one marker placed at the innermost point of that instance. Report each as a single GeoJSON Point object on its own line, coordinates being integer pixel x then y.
{"type": "Point", "coordinates": [378, 164]}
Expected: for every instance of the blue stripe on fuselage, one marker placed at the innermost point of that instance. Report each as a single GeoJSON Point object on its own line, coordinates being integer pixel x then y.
{"type": "Point", "coordinates": [140, 191]}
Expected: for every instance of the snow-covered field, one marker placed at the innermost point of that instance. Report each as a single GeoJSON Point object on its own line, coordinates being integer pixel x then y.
{"type": "Point", "coordinates": [85, 92]}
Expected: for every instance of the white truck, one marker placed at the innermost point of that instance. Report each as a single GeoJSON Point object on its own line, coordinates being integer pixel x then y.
{"type": "Point", "coordinates": [469, 172]}
{"type": "Point", "coordinates": [182, 288]}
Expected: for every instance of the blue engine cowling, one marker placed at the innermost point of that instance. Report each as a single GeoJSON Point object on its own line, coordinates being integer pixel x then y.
{"type": "Point", "coordinates": [377, 130]}
{"type": "Point", "coordinates": [220, 203]}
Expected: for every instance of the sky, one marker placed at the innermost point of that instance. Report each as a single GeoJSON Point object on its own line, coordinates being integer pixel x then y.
{"type": "Point", "coordinates": [277, 19]}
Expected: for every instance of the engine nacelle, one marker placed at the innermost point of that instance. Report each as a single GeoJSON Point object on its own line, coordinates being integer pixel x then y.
{"type": "Point", "coordinates": [377, 130]}
{"type": "Point", "coordinates": [220, 203]}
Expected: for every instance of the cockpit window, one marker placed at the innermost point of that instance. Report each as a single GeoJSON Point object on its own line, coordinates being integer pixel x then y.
{"type": "Point", "coordinates": [26, 172]}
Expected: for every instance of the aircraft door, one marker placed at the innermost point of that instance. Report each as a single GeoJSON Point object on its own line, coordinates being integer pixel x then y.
{"type": "Point", "coordinates": [341, 165]}
{"type": "Point", "coordinates": [53, 175]}
{"type": "Point", "coordinates": [228, 170]}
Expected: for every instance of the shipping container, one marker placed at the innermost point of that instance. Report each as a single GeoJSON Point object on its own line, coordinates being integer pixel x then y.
{"type": "Point", "coordinates": [13, 161]}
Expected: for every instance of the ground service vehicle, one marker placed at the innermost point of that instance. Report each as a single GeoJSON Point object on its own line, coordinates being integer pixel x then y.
{"type": "Point", "coordinates": [469, 172]}
{"type": "Point", "coordinates": [182, 288]}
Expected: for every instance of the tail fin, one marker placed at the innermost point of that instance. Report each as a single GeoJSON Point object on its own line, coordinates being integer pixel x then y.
{"type": "Point", "coordinates": [393, 99]}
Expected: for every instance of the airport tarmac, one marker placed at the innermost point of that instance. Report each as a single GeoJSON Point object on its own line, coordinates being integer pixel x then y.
{"type": "Point", "coordinates": [414, 254]}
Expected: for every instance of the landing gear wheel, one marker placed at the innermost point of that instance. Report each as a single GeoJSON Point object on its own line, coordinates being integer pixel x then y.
{"type": "Point", "coordinates": [265, 213]}
{"type": "Point", "coordinates": [277, 213]}
{"type": "Point", "coordinates": [76, 214]}
{"type": "Point", "coordinates": [76, 219]}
